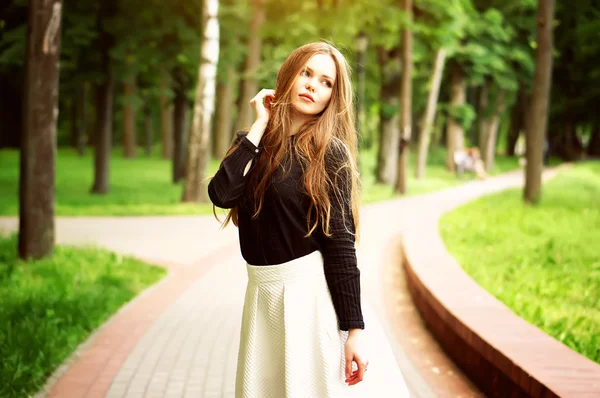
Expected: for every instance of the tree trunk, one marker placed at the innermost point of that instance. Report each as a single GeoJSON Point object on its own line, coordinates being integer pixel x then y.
{"type": "Point", "coordinates": [593, 148]}
{"type": "Point", "coordinates": [454, 130]}
{"type": "Point", "coordinates": [439, 131]}
{"type": "Point", "coordinates": [389, 136]}
{"type": "Point", "coordinates": [472, 96]}
{"type": "Point", "coordinates": [572, 146]}
{"type": "Point", "coordinates": [129, 119]}
{"type": "Point", "coordinates": [166, 119]}
{"type": "Point", "coordinates": [405, 100]}
{"type": "Point", "coordinates": [104, 106]}
{"type": "Point", "coordinates": [195, 189]}
{"type": "Point", "coordinates": [103, 140]}
{"type": "Point", "coordinates": [517, 120]}
{"type": "Point", "coordinates": [363, 140]}
{"type": "Point", "coordinates": [489, 150]}
{"type": "Point", "coordinates": [539, 102]}
{"type": "Point", "coordinates": [179, 123]}
{"type": "Point", "coordinates": [429, 117]}
{"type": "Point", "coordinates": [223, 114]}
{"type": "Point", "coordinates": [249, 87]}
{"type": "Point", "coordinates": [78, 119]}
{"type": "Point", "coordinates": [148, 128]}
{"type": "Point", "coordinates": [389, 123]}
{"type": "Point", "coordinates": [38, 142]}
{"type": "Point", "coordinates": [483, 115]}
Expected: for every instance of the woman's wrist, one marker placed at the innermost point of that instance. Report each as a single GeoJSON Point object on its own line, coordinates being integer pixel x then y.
{"type": "Point", "coordinates": [261, 122]}
{"type": "Point", "coordinates": [354, 331]}
{"type": "Point", "coordinates": [256, 131]}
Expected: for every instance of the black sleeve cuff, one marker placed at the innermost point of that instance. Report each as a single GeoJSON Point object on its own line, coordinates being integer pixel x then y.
{"type": "Point", "coordinates": [248, 146]}
{"type": "Point", "coordinates": [347, 325]}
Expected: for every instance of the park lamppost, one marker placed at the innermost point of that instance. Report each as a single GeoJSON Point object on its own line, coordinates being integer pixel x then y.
{"type": "Point", "coordinates": [362, 41]}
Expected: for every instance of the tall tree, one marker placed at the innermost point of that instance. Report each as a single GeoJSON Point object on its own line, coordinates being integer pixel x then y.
{"type": "Point", "coordinates": [536, 133]}
{"type": "Point", "coordinates": [389, 115]}
{"type": "Point", "coordinates": [129, 117]}
{"type": "Point", "coordinates": [441, 25]}
{"type": "Point", "coordinates": [104, 102]}
{"type": "Point", "coordinates": [180, 117]}
{"type": "Point", "coordinates": [198, 147]}
{"type": "Point", "coordinates": [166, 118]}
{"type": "Point", "coordinates": [148, 129]}
{"type": "Point", "coordinates": [249, 86]}
{"type": "Point", "coordinates": [362, 41]}
{"type": "Point", "coordinates": [223, 113]}
{"type": "Point", "coordinates": [575, 69]}
{"type": "Point", "coordinates": [78, 119]}
{"type": "Point", "coordinates": [38, 143]}
{"type": "Point", "coordinates": [77, 69]}
{"type": "Point", "coordinates": [405, 99]}
{"type": "Point", "coordinates": [455, 128]}
{"type": "Point", "coordinates": [517, 120]}
{"type": "Point", "coordinates": [488, 146]}
{"type": "Point", "coordinates": [428, 117]}
{"type": "Point", "coordinates": [233, 29]}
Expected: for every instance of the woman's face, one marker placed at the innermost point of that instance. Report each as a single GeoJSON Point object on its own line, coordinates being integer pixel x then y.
{"type": "Point", "coordinates": [312, 89]}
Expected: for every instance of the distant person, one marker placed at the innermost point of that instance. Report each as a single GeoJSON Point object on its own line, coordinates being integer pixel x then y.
{"type": "Point", "coordinates": [469, 159]}
{"type": "Point", "coordinates": [291, 183]}
{"type": "Point", "coordinates": [545, 155]}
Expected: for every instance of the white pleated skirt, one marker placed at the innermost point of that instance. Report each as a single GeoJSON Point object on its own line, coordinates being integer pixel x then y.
{"type": "Point", "coordinates": [290, 343]}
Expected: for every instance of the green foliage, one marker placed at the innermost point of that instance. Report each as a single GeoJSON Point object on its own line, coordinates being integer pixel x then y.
{"type": "Point", "coordinates": [465, 115]}
{"type": "Point", "coordinates": [50, 306]}
{"type": "Point", "coordinates": [576, 66]}
{"type": "Point", "coordinates": [12, 47]}
{"type": "Point", "coordinates": [79, 31]}
{"type": "Point", "coordinates": [540, 261]}
{"type": "Point", "coordinates": [233, 24]}
{"type": "Point", "coordinates": [13, 35]}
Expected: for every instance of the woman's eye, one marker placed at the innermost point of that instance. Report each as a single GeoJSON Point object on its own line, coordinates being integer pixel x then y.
{"type": "Point", "coordinates": [304, 73]}
{"type": "Point", "coordinates": [328, 83]}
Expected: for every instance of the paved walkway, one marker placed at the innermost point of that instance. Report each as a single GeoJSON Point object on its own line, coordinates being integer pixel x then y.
{"type": "Point", "coordinates": [180, 337]}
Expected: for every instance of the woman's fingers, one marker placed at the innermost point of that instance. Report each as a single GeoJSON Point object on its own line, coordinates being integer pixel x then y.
{"type": "Point", "coordinates": [262, 109]}
{"type": "Point", "coordinates": [348, 366]}
{"type": "Point", "coordinates": [261, 95]}
{"type": "Point", "coordinates": [356, 376]}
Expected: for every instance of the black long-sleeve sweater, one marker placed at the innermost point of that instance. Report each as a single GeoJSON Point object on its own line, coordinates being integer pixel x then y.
{"type": "Point", "coordinates": [277, 235]}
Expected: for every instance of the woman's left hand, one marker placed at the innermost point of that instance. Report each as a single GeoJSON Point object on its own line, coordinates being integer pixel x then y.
{"type": "Point", "coordinates": [355, 352]}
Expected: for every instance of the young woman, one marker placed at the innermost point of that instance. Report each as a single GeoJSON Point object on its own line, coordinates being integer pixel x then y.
{"type": "Point", "coordinates": [291, 183]}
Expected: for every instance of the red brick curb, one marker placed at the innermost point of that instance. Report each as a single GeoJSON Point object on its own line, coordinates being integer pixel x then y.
{"type": "Point", "coordinates": [502, 353]}
{"type": "Point", "coordinates": [92, 371]}
{"type": "Point", "coordinates": [439, 372]}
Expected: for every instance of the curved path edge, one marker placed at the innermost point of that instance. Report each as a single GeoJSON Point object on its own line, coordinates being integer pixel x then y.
{"type": "Point", "coordinates": [502, 353]}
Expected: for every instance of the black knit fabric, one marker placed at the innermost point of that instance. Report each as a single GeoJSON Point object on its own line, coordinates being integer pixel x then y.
{"type": "Point", "coordinates": [277, 235]}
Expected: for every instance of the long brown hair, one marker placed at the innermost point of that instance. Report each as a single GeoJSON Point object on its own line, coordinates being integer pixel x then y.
{"type": "Point", "coordinates": [326, 145]}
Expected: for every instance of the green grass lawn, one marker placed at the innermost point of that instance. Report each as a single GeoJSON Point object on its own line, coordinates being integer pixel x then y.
{"type": "Point", "coordinates": [50, 306]}
{"type": "Point", "coordinates": [542, 261]}
{"type": "Point", "coordinates": [140, 186]}
{"type": "Point", "coordinates": [143, 186]}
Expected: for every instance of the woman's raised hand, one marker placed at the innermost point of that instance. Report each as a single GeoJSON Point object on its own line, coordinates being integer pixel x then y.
{"type": "Point", "coordinates": [261, 103]}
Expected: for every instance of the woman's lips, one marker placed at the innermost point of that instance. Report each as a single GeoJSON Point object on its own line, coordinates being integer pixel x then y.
{"type": "Point", "coordinates": [307, 97]}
